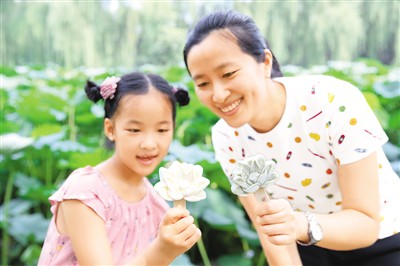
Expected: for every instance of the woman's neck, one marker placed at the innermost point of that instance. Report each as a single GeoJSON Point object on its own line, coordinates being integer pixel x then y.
{"type": "Point", "coordinates": [273, 107]}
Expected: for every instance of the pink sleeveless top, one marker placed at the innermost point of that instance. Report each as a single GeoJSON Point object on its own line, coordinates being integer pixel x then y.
{"type": "Point", "coordinates": [130, 226]}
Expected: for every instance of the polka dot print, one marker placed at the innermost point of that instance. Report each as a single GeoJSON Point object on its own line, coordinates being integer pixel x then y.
{"type": "Point", "coordinates": [325, 124]}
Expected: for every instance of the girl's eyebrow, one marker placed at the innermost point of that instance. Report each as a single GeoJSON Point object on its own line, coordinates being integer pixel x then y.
{"type": "Point", "coordinates": [165, 122]}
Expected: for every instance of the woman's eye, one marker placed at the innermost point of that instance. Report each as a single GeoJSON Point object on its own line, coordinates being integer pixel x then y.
{"type": "Point", "coordinates": [163, 130]}
{"type": "Point", "coordinates": [227, 75]}
{"type": "Point", "coordinates": [203, 84]}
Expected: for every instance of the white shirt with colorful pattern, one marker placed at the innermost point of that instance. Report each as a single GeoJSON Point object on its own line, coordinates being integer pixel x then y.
{"type": "Point", "coordinates": [326, 122]}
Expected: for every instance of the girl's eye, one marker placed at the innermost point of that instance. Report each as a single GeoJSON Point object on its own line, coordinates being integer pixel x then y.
{"type": "Point", "coordinates": [134, 130]}
{"type": "Point", "coordinates": [227, 75]}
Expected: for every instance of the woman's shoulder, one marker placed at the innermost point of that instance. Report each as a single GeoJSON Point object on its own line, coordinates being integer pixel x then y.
{"type": "Point", "coordinates": [221, 130]}
{"type": "Point", "coordinates": [307, 80]}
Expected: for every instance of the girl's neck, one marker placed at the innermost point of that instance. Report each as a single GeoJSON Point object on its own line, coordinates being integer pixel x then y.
{"type": "Point", "coordinates": [126, 184]}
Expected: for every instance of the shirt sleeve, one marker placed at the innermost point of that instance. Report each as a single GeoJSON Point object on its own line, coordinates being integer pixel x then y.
{"type": "Point", "coordinates": [354, 130]}
{"type": "Point", "coordinates": [82, 185]}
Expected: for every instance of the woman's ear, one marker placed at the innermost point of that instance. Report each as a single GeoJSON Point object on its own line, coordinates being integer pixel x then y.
{"type": "Point", "coordinates": [109, 129]}
{"type": "Point", "coordinates": [268, 63]}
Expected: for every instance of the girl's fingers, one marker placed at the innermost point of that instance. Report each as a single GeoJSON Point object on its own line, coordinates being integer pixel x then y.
{"type": "Point", "coordinates": [193, 238]}
{"type": "Point", "coordinates": [183, 224]}
{"type": "Point", "coordinates": [188, 232]}
{"type": "Point", "coordinates": [173, 215]}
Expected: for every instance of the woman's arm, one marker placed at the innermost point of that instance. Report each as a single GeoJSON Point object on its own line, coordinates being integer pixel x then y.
{"type": "Point", "coordinates": [88, 235]}
{"type": "Point", "coordinates": [286, 252]}
{"type": "Point", "coordinates": [357, 225]}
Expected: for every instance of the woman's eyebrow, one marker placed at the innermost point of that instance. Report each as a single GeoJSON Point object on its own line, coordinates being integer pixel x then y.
{"type": "Point", "coordinates": [221, 66]}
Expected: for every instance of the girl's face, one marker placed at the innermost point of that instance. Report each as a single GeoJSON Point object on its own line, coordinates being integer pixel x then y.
{"type": "Point", "coordinates": [227, 80]}
{"type": "Point", "coordinates": [142, 130]}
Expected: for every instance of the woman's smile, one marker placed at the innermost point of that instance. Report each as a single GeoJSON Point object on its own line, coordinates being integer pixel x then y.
{"type": "Point", "coordinates": [231, 107]}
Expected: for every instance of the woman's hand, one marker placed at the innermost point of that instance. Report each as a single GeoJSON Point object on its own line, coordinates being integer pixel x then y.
{"type": "Point", "coordinates": [277, 220]}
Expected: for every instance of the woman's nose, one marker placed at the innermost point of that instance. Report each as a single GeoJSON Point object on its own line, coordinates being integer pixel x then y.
{"type": "Point", "coordinates": [220, 93]}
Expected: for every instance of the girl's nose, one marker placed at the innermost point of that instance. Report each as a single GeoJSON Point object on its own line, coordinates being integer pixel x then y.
{"type": "Point", "coordinates": [149, 142]}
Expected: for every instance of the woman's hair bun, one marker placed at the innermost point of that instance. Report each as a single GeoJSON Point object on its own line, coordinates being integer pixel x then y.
{"type": "Point", "coordinates": [92, 91]}
{"type": "Point", "coordinates": [182, 96]}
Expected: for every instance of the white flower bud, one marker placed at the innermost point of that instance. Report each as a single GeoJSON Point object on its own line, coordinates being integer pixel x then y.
{"type": "Point", "coordinates": [251, 174]}
{"type": "Point", "coordinates": [182, 181]}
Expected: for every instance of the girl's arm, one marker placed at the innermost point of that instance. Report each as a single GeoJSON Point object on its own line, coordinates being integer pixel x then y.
{"type": "Point", "coordinates": [87, 232]}
{"type": "Point", "coordinates": [286, 252]}
{"type": "Point", "coordinates": [357, 225]}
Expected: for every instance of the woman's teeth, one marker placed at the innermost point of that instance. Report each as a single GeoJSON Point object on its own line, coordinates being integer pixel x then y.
{"type": "Point", "coordinates": [231, 107]}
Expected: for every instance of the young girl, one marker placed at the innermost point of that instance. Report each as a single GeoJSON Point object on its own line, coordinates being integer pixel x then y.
{"type": "Point", "coordinates": [323, 136]}
{"type": "Point", "coordinates": [109, 214]}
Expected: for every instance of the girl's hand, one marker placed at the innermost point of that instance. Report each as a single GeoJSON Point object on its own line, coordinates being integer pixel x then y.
{"type": "Point", "coordinates": [177, 232]}
{"type": "Point", "coordinates": [277, 220]}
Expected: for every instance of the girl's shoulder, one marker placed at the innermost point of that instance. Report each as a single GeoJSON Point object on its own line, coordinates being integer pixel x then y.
{"type": "Point", "coordinates": [82, 184]}
{"type": "Point", "coordinates": [82, 179]}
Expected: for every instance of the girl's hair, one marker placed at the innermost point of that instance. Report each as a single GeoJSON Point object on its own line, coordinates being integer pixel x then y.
{"type": "Point", "coordinates": [137, 83]}
{"type": "Point", "coordinates": [248, 35]}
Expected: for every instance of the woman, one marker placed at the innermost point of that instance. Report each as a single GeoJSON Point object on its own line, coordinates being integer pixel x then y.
{"type": "Point", "coordinates": [338, 196]}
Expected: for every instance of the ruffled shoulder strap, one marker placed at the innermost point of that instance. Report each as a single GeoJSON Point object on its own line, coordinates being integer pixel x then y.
{"type": "Point", "coordinates": [86, 185]}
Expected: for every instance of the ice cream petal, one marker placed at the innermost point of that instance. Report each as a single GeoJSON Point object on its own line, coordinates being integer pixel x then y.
{"type": "Point", "coordinates": [182, 181]}
{"type": "Point", "coordinates": [252, 173]}
{"type": "Point", "coordinates": [237, 190]}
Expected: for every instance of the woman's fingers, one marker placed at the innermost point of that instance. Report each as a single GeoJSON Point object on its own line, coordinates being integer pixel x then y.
{"type": "Point", "coordinates": [281, 239]}
{"type": "Point", "coordinates": [276, 219]}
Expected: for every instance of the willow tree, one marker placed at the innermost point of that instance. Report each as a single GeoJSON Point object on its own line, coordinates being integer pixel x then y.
{"type": "Point", "coordinates": [94, 34]}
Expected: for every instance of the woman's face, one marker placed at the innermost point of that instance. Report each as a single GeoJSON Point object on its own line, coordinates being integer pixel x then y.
{"type": "Point", "coordinates": [142, 129]}
{"type": "Point", "coordinates": [227, 80]}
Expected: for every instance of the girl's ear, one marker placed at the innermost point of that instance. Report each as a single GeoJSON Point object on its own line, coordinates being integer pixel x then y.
{"type": "Point", "coordinates": [268, 63]}
{"type": "Point", "coordinates": [109, 129]}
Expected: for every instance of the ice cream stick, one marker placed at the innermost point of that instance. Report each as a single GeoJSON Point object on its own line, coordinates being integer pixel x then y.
{"type": "Point", "coordinates": [261, 195]}
{"type": "Point", "coordinates": [180, 203]}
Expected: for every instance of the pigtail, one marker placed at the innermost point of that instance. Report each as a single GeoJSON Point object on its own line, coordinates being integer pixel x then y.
{"type": "Point", "coordinates": [181, 96]}
{"type": "Point", "coordinates": [92, 91]}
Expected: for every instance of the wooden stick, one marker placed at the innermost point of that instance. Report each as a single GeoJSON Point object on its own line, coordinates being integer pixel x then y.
{"type": "Point", "coordinates": [261, 195]}
{"type": "Point", "coordinates": [180, 203]}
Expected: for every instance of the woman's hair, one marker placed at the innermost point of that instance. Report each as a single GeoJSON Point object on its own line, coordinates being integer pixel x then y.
{"type": "Point", "coordinates": [137, 83]}
{"type": "Point", "coordinates": [248, 35]}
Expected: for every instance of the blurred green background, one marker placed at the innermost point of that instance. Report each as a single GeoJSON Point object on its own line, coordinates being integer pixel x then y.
{"type": "Point", "coordinates": [48, 127]}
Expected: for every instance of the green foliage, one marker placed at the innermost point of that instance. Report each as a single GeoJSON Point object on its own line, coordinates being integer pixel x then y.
{"type": "Point", "coordinates": [49, 129]}
{"type": "Point", "coordinates": [133, 33]}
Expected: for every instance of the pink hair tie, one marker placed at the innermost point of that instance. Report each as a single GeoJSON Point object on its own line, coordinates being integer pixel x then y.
{"type": "Point", "coordinates": [108, 87]}
{"type": "Point", "coordinates": [174, 90]}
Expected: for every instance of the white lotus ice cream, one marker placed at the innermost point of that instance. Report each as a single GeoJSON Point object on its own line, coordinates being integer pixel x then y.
{"type": "Point", "coordinates": [252, 175]}
{"type": "Point", "coordinates": [182, 181]}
